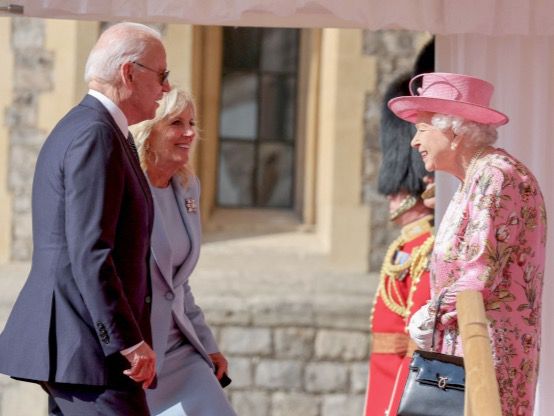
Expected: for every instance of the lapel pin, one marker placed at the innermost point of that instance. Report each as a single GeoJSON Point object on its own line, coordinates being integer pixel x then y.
{"type": "Point", "coordinates": [190, 205]}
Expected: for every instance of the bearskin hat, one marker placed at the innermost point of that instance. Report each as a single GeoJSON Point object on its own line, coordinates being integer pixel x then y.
{"type": "Point", "coordinates": [401, 167]}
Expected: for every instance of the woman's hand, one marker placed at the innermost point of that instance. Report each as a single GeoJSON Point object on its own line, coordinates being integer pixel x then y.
{"type": "Point", "coordinates": [448, 314]}
{"type": "Point", "coordinates": [421, 326]}
{"type": "Point", "coordinates": [220, 363]}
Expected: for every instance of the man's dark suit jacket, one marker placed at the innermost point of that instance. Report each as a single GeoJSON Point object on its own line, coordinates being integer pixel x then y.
{"type": "Point", "coordinates": [88, 294]}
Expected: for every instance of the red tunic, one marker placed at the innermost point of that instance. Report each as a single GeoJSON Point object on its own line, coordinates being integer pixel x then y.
{"type": "Point", "coordinates": [391, 350]}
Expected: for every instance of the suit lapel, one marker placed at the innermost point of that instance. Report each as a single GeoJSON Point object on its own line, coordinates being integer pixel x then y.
{"type": "Point", "coordinates": [135, 164]}
{"type": "Point", "coordinates": [90, 101]}
{"type": "Point", "coordinates": [161, 251]}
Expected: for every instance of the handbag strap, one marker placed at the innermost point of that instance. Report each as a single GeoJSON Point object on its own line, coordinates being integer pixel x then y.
{"type": "Point", "coordinates": [439, 301]}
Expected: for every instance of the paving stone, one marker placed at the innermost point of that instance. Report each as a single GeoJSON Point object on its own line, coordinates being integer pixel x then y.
{"type": "Point", "coordinates": [342, 405]}
{"type": "Point", "coordinates": [245, 341]}
{"type": "Point", "coordinates": [294, 342]}
{"type": "Point", "coordinates": [279, 374]}
{"type": "Point", "coordinates": [343, 313]}
{"type": "Point", "coordinates": [252, 403]}
{"type": "Point", "coordinates": [33, 70]}
{"type": "Point", "coordinates": [222, 310]}
{"type": "Point", "coordinates": [282, 313]}
{"type": "Point", "coordinates": [241, 372]}
{"type": "Point", "coordinates": [20, 176]}
{"type": "Point", "coordinates": [341, 345]}
{"type": "Point", "coordinates": [358, 377]}
{"type": "Point", "coordinates": [23, 111]}
{"type": "Point", "coordinates": [27, 33]}
{"type": "Point", "coordinates": [295, 404]}
{"type": "Point", "coordinates": [22, 399]}
{"type": "Point", "coordinates": [323, 377]}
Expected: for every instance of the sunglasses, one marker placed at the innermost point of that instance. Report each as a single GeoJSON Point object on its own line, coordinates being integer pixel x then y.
{"type": "Point", "coordinates": [162, 75]}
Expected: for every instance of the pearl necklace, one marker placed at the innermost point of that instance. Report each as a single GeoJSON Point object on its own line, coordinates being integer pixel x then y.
{"type": "Point", "coordinates": [471, 168]}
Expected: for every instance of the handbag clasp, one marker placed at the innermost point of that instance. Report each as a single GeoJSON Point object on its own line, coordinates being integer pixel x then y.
{"type": "Point", "coordinates": [442, 382]}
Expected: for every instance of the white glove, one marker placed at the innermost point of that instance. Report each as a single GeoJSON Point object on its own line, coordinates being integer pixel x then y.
{"type": "Point", "coordinates": [421, 326]}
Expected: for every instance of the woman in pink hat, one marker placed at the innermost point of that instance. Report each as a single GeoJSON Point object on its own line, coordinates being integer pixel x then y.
{"type": "Point", "coordinates": [493, 235]}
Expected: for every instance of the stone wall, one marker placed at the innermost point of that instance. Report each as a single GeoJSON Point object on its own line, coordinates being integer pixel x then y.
{"type": "Point", "coordinates": [296, 344]}
{"type": "Point", "coordinates": [32, 76]}
{"type": "Point", "coordinates": [396, 52]}
{"type": "Point", "coordinates": [286, 359]}
{"type": "Point", "coordinates": [33, 71]}
{"type": "Point", "coordinates": [296, 357]}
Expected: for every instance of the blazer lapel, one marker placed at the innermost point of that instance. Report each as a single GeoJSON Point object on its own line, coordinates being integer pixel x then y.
{"type": "Point", "coordinates": [191, 220]}
{"type": "Point", "coordinates": [161, 251]}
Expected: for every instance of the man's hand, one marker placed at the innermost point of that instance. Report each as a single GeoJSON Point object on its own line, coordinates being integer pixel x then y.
{"type": "Point", "coordinates": [143, 365]}
{"type": "Point", "coordinates": [220, 363]}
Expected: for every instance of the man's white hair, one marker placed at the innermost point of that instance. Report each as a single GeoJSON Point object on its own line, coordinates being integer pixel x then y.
{"type": "Point", "coordinates": [120, 43]}
{"type": "Point", "coordinates": [475, 134]}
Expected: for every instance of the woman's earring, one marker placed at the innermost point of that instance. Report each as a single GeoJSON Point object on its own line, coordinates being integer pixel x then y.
{"type": "Point", "coordinates": [454, 142]}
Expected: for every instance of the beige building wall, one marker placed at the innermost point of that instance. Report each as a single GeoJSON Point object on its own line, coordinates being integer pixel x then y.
{"type": "Point", "coordinates": [178, 40]}
{"type": "Point", "coordinates": [342, 217]}
{"type": "Point", "coordinates": [6, 85]}
{"type": "Point", "coordinates": [334, 80]}
{"type": "Point", "coordinates": [206, 84]}
{"type": "Point", "coordinates": [307, 131]}
{"type": "Point", "coordinates": [70, 41]}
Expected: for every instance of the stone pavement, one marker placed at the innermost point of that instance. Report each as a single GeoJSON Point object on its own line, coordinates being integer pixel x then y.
{"type": "Point", "coordinates": [294, 329]}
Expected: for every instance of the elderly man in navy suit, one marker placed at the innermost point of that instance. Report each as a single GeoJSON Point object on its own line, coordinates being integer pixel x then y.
{"type": "Point", "coordinates": [80, 326]}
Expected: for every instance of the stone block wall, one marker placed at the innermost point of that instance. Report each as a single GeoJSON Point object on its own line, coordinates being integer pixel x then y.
{"type": "Point", "coordinates": [301, 357]}
{"type": "Point", "coordinates": [396, 51]}
{"type": "Point", "coordinates": [32, 76]}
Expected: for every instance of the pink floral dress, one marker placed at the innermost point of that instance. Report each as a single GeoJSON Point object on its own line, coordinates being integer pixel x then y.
{"type": "Point", "coordinates": [492, 239]}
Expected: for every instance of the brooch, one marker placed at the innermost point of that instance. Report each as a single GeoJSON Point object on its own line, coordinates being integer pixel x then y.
{"type": "Point", "coordinates": [190, 205]}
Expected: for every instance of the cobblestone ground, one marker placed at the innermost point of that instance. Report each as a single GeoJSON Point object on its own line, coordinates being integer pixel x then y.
{"type": "Point", "coordinates": [294, 329]}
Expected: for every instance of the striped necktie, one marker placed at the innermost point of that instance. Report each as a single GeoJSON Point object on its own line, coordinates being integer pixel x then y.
{"type": "Point", "coordinates": [132, 145]}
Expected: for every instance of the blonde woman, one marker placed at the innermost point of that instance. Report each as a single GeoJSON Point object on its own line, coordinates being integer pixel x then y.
{"type": "Point", "coordinates": [189, 363]}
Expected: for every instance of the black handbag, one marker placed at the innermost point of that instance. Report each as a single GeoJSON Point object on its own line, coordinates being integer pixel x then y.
{"type": "Point", "coordinates": [435, 384]}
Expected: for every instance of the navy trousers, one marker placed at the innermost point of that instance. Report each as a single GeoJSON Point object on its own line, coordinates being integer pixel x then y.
{"type": "Point", "coordinates": [82, 400]}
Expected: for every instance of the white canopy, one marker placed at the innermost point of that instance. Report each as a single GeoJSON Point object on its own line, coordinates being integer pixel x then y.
{"type": "Point", "coordinates": [490, 17]}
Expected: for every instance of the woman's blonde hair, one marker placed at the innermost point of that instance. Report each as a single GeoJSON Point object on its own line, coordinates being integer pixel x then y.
{"type": "Point", "coordinates": [171, 105]}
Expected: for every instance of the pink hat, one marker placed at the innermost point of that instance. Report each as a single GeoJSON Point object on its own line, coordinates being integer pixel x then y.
{"type": "Point", "coordinates": [450, 94]}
